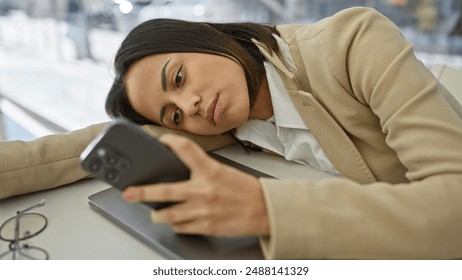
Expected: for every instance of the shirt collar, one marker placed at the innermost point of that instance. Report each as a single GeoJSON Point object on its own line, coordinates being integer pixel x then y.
{"type": "Point", "coordinates": [285, 113]}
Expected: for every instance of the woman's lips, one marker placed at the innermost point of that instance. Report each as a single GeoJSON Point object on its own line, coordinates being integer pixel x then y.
{"type": "Point", "coordinates": [217, 110]}
{"type": "Point", "coordinates": [214, 110]}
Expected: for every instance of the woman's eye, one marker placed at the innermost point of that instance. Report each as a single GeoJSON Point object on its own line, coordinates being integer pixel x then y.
{"type": "Point", "coordinates": [176, 116]}
{"type": "Point", "coordinates": [179, 77]}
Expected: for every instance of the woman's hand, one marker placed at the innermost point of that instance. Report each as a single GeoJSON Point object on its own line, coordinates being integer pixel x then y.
{"type": "Point", "coordinates": [216, 200]}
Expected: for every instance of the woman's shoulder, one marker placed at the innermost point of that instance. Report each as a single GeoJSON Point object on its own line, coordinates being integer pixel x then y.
{"type": "Point", "coordinates": [346, 19]}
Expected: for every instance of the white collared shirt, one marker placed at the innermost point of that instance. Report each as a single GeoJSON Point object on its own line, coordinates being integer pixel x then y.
{"type": "Point", "coordinates": [285, 133]}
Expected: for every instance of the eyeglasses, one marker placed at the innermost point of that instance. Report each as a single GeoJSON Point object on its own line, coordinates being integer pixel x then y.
{"type": "Point", "coordinates": [23, 227]}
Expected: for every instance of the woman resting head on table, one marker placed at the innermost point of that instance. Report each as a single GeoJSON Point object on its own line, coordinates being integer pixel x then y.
{"type": "Point", "coordinates": [345, 95]}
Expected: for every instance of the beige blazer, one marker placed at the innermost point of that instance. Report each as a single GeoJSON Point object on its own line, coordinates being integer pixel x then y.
{"type": "Point", "coordinates": [383, 121]}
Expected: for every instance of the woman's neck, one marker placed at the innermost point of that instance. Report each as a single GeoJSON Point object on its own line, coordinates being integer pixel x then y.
{"type": "Point", "coordinates": [262, 108]}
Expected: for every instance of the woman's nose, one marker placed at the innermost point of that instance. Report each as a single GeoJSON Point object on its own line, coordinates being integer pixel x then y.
{"type": "Point", "coordinates": [189, 103]}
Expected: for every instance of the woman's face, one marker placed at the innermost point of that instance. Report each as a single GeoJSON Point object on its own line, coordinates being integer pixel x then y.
{"type": "Point", "coordinates": [199, 93]}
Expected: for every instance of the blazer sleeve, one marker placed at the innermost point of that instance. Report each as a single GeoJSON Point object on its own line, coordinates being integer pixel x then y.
{"type": "Point", "coordinates": [54, 160]}
{"type": "Point", "coordinates": [341, 219]}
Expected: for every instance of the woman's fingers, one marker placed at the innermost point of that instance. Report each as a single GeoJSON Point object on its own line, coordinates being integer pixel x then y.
{"type": "Point", "coordinates": [163, 192]}
{"type": "Point", "coordinates": [178, 213]}
{"type": "Point", "coordinates": [198, 218]}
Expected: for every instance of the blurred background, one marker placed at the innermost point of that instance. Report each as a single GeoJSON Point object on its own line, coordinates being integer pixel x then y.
{"type": "Point", "coordinates": [56, 55]}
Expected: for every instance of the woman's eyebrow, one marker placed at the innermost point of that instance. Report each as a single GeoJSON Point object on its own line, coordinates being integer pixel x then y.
{"type": "Point", "coordinates": [163, 77]}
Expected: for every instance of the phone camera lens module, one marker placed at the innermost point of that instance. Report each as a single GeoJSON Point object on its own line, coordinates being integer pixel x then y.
{"type": "Point", "coordinates": [111, 175]}
{"type": "Point", "coordinates": [95, 165]}
{"type": "Point", "coordinates": [112, 160]}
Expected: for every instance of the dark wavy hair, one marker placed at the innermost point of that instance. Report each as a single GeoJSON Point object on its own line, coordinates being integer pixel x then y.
{"type": "Point", "coordinates": [158, 36]}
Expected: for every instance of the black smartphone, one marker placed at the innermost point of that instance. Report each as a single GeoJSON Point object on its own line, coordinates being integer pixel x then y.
{"type": "Point", "coordinates": [124, 155]}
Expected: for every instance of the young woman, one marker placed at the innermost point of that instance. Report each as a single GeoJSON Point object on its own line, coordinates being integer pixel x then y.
{"type": "Point", "coordinates": [345, 95]}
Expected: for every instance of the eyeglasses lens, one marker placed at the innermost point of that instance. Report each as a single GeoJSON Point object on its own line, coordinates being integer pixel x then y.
{"type": "Point", "coordinates": [21, 229]}
{"type": "Point", "coordinates": [30, 224]}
